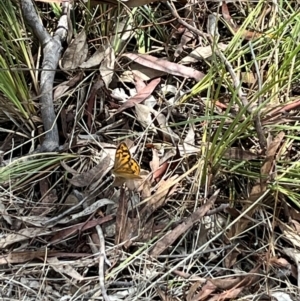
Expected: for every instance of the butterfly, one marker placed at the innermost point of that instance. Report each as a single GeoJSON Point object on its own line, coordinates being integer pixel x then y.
{"type": "Point", "coordinates": [125, 166]}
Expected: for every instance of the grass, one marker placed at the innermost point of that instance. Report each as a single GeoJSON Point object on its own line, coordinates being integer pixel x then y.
{"type": "Point", "coordinates": [213, 146]}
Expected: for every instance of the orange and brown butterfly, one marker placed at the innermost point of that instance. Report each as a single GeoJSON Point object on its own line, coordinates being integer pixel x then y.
{"type": "Point", "coordinates": [125, 166]}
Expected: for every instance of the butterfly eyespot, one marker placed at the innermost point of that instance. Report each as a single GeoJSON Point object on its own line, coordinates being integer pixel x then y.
{"type": "Point", "coordinates": [125, 166]}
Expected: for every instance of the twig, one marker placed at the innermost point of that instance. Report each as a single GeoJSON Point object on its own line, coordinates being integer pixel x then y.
{"type": "Point", "coordinates": [52, 49]}
{"type": "Point", "coordinates": [188, 26]}
{"type": "Point", "coordinates": [102, 259]}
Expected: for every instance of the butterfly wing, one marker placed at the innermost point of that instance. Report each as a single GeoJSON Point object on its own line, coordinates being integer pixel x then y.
{"type": "Point", "coordinates": [122, 156]}
{"type": "Point", "coordinates": [135, 169]}
{"type": "Point", "coordinates": [125, 166]}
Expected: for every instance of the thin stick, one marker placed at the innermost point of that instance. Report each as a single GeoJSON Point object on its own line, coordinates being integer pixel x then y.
{"type": "Point", "coordinates": [102, 259]}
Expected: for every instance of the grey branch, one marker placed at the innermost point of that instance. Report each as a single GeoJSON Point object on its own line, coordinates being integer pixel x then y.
{"type": "Point", "coordinates": [52, 49]}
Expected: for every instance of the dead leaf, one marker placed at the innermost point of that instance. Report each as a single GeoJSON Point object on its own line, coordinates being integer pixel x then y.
{"type": "Point", "coordinates": [25, 256]}
{"type": "Point", "coordinates": [202, 52]}
{"type": "Point", "coordinates": [246, 34]}
{"type": "Point", "coordinates": [21, 235]}
{"type": "Point", "coordinates": [92, 175]}
{"type": "Point", "coordinates": [134, 225]}
{"type": "Point", "coordinates": [236, 153]}
{"type": "Point", "coordinates": [164, 65]}
{"type": "Point", "coordinates": [270, 154]}
{"type": "Point", "coordinates": [281, 267]}
{"type": "Point", "coordinates": [76, 53]}
{"type": "Point", "coordinates": [295, 215]}
{"type": "Point", "coordinates": [281, 296]}
{"type": "Point", "coordinates": [183, 227]}
{"type": "Point", "coordinates": [226, 283]}
{"type": "Point", "coordinates": [161, 147]}
{"type": "Point", "coordinates": [230, 294]}
{"type": "Point", "coordinates": [143, 115]}
{"type": "Point", "coordinates": [63, 234]}
{"type": "Point", "coordinates": [166, 153]}
{"type": "Point", "coordinates": [130, 231]}
{"type": "Point", "coordinates": [185, 38]}
{"type": "Point", "coordinates": [251, 277]}
{"type": "Point", "coordinates": [296, 225]}
{"type": "Point", "coordinates": [139, 97]}
{"type": "Point", "coordinates": [157, 175]}
{"type": "Point", "coordinates": [206, 290]}
{"type": "Point", "coordinates": [95, 59]}
{"type": "Point", "coordinates": [154, 164]}
{"type": "Point", "coordinates": [4, 213]}
{"type": "Point", "coordinates": [149, 230]}
{"type": "Point", "coordinates": [158, 166]}
{"type": "Point", "coordinates": [97, 86]}
{"type": "Point", "coordinates": [280, 262]}
{"type": "Point", "coordinates": [159, 197]}
{"type": "Point", "coordinates": [165, 295]}
{"type": "Point", "coordinates": [107, 66]}
{"type": "Point", "coordinates": [20, 257]}
{"type": "Point", "coordinates": [64, 268]}
{"type": "Point", "coordinates": [167, 134]}
{"type": "Point", "coordinates": [48, 200]}
{"type": "Point", "coordinates": [290, 235]}
{"type": "Point", "coordinates": [190, 136]}
{"type": "Point", "coordinates": [145, 73]}
{"type": "Point", "coordinates": [278, 110]}
{"type": "Point", "coordinates": [139, 84]}
{"type": "Point", "coordinates": [87, 211]}
{"type": "Point", "coordinates": [231, 258]}
{"type": "Point", "coordinates": [170, 90]}
{"type": "Point", "coordinates": [193, 289]}
{"type": "Point", "coordinates": [66, 85]}
{"type": "Point", "coordinates": [33, 220]}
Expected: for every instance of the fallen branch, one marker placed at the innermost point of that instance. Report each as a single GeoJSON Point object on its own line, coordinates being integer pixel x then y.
{"type": "Point", "coordinates": [52, 49]}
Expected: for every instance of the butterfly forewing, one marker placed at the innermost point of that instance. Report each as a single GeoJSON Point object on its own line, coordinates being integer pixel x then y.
{"type": "Point", "coordinates": [122, 156]}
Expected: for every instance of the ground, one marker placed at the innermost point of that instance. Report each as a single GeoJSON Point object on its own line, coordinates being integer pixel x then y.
{"type": "Point", "coordinates": [149, 150]}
